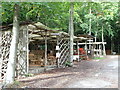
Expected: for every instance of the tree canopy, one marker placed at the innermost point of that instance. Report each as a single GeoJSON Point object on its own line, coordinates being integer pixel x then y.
{"type": "Point", "coordinates": [56, 15]}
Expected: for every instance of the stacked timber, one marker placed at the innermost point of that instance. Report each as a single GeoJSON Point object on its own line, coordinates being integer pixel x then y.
{"type": "Point", "coordinates": [36, 57]}
{"type": "Point", "coordinates": [36, 60]}
{"type": "Point", "coordinates": [51, 60]}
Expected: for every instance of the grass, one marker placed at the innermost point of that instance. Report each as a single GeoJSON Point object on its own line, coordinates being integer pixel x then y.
{"type": "Point", "coordinates": [29, 75]}
{"type": "Point", "coordinates": [98, 58]}
{"type": "Point", "coordinates": [68, 63]}
{"type": "Point", "coordinates": [15, 84]}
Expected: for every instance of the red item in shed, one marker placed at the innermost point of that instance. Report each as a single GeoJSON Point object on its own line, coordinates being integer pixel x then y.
{"type": "Point", "coordinates": [81, 49]}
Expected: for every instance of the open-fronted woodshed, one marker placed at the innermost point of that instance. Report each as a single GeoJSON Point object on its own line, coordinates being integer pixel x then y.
{"type": "Point", "coordinates": [36, 47]}
{"type": "Point", "coordinates": [40, 48]}
{"type": "Point", "coordinates": [88, 47]}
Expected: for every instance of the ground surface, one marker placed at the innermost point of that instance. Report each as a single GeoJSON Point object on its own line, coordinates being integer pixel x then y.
{"type": "Point", "coordinates": [84, 74]}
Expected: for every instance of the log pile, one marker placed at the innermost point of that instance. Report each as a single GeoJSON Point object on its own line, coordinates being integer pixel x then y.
{"type": "Point", "coordinates": [36, 57]}
{"type": "Point", "coordinates": [51, 60]}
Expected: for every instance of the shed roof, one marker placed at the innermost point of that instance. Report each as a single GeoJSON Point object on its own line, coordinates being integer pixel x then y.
{"type": "Point", "coordinates": [86, 36]}
{"type": "Point", "coordinates": [37, 31]}
{"type": "Point", "coordinates": [9, 26]}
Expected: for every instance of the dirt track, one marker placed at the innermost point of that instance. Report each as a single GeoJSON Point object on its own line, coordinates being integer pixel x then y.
{"type": "Point", "coordinates": [84, 74]}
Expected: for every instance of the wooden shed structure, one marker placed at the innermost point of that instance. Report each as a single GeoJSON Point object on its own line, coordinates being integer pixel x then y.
{"type": "Point", "coordinates": [91, 47]}
{"type": "Point", "coordinates": [39, 46]}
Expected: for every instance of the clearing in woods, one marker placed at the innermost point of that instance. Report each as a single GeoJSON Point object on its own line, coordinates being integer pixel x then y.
{"type": "Point", "coordinates": [85, 74]}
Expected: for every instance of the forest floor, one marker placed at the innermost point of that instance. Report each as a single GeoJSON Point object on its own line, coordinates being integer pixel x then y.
{"type": "Point", "coordinates": [101, 73]}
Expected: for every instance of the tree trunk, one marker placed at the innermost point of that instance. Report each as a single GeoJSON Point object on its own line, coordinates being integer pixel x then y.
{"type": "Point", "coordinates": [90, 22]}
{"type": "Point", "coordinates": [104, 53]}
{"type": "Point", "coordinates": [96, 32]}
{"type": "Point", "coordinates": [0, 54]}
{"type": "Point", "coordinates": [90, 27]}
{"type": "Point", "coordinates": [71, 31]}
{"type": "Point", "coordinates": [112, 44]}
{"type": "Point", "coordinates": [45, 67]}
{"type": "Point", "coordinates": [13, 48]}
{"type": "Point", "coordinates": [27, 49]}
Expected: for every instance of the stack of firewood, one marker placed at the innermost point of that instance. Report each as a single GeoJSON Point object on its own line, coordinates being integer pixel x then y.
{"type": "Point", "coordinates": [36, 57]}
{"type": "Point", "coordinates": [51, 60]}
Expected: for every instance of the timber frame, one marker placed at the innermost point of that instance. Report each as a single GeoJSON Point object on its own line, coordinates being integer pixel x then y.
{"type": "Point", "coordinates": [34, 32]}
{"type": "Point", "coordinates": [29, 32]}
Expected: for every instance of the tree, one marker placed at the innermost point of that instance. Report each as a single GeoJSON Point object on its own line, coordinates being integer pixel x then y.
{"type": "Point", "coordinates": [71, 31]}
{"type": "Point", "coordinates": [56, 15]}
{"type": "Point", "coordinates": [13, 48]}
{"type": "Point", "coordinates": [90, 21]}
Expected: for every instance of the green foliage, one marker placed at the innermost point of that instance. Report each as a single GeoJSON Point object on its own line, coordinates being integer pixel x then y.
{"type": "Point", "coordinates": [29, 75]}
{"type": "Point", "coordinates": [6, 12]}
{"type": "Point", "coordinates": [56, 15]}
{"type": "Point", "coordinates": [98, 58]}
{"type": "Point", "coordinates": [16, 82]}
{"type": "Point", "coordinates": [68, 63]}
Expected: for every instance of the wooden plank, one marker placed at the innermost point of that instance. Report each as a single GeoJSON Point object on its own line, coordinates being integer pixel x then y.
{"type": "Point", "coordinates": [56, 34]}
{"type": "Point", "coordinates": [39, 65]}
{"type": "Point", "coordinates": [91, 43]}
{"type": "Point", "coordinates": [62, 44]}
{"type": "Point", "coordinates": [65, 58]}
{"type": "Point", "coordinates": [78, 50]}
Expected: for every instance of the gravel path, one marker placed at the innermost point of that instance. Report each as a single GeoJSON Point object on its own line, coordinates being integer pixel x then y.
{"type": "Point", "coordinates": [85, 74]}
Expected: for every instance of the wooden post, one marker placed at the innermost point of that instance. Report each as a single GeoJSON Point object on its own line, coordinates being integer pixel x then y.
{"type": "Point", "coordinates": [100, 50]}
{"type": "Point", "coordinates": [94, 50]}
{"type": "Point", "coordinates": [45, 50]}
{"type": "Point", "coordinates": [58, 63]}
{"type": "Point", "coordinates": [71, 31]}
{"type": "Point", "coordinates": [86, 49]}
{"type": "Point", "coordinates": [95, 38]}
{"type": "Point", "coordinates": [78, 51]}
{"type": "Point", "coordinates": [86, 46]}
